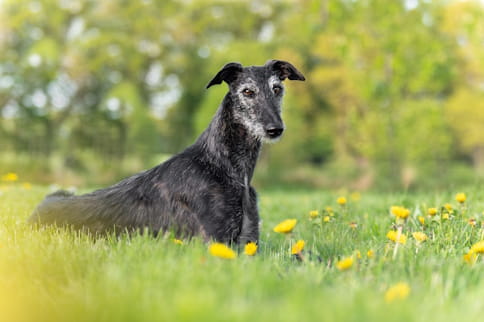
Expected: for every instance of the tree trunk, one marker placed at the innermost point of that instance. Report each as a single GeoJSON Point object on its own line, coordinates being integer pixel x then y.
{"type": "Point", "coordinates": [478, 158]}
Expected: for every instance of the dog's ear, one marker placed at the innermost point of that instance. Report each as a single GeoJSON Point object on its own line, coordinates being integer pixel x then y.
{"type": "Point", "coordinates": [227, 74]}
{"type": "Point", "coordinates": [284, 70]}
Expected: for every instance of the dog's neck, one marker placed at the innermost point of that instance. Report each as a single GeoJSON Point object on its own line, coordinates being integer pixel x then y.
{"type": "Point", "coordinates": [228, 144]}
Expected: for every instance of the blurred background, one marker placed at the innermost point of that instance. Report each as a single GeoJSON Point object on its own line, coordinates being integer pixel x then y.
{"type": "Point", "coordinates": [92, 91]}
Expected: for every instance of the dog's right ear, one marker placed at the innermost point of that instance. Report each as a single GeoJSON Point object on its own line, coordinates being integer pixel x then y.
{"type": "Point", "coordinates": [227, 74]}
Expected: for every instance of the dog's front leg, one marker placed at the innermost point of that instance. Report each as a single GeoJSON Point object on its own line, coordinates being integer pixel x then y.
{"type": "Point", "coordinates": [250, 222]}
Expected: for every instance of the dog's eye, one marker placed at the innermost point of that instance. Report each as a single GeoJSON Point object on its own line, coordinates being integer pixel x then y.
{"type": "Point", "coordinates": [277, 90]}
{"type": "Point", "coordinates": [248, 92]}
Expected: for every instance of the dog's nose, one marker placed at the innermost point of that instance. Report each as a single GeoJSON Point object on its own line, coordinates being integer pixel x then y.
{"type": "Point", "coordinates": [274, 132]}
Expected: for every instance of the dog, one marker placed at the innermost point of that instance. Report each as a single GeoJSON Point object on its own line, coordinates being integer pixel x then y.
{"type": "Point", "coordinates": [204, 190]}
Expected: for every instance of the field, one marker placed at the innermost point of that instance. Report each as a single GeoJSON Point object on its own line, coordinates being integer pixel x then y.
{"type": "Point", "coordinates": [348, 270]}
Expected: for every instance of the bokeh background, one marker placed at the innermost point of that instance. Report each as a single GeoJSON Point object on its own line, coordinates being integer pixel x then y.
{"type": "Point", "coordinates": [92, 91]}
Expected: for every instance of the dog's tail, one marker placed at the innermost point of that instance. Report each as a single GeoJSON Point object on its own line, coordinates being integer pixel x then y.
{"type": "Point", "coordinates": [53, 209]}
{"type": "Point", "coordinates": [63, 208]}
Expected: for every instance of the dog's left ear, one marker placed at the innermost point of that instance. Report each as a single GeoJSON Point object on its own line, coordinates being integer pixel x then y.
{"type": "Point", "coordinates": [227, 74]}
{"type": "Point", "coordinates": [284, 70]}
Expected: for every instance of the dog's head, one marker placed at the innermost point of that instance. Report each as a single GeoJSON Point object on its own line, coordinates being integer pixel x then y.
{"type": "Point", "coordinates": [256, 93]}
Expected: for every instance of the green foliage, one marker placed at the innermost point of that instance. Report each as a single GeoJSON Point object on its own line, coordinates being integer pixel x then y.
{"type": "Point", "coordinates": [465, 112]}
{"type": "Point", "coordinates": [380, 75]}
{"type": "Point", "coordinates": [208, 107]}
{"type": "Point", "coordinates": [409, 130]}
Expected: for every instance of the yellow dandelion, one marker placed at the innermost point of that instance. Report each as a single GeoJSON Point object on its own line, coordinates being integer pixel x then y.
{"type": "Point", "coordinates": [448, 207]}
{"type": "Point", "coordinates": [398, 291]}
{"type": "Point", "coordinates": [329, 210]}
{"type": "Point", "coordinates": [10, 177]}
{"type": "Point", "coordinates": [432, 211]}
{"type": "Point", "coordinates": [250, 249]}
{"type": "Point", "coordinates": [297, 247]}
{"type": "Point", "coordinates": [460, 197]}
{"type": "Point", "coordinates": [419, 236]}
{"type": "Point", "coordinates": [285, 226]}
{"type": "Point", "coordinates": [178, 241]}
{"type": "Point", "coordinates": [341, 201]}
{"type": "Point", "coordinates": [27, 186]}
{"type": "Point", "coordinates": [445, 216]}
{"type": "Point", "coordinates": [370, 253]}
{"type": "Point", "coordinates": [358, 254]}
{"type": "Point", "coordinates": [472, 222]}
{"type": "Point", "coordinates": [353, 225]}
{"type": "Point", "coordinates": [394, 236]}
{"type": "Point", "coordinates": [344, 264]}
{"type": "Point", "coordinates": [313, 213]}
{"type": "Point", "coordinates": [355, 196]}
{"type": "Point", "coordinates": [400, 212]}
{"type": "Point", "coordinates": [326, 219]}
{"type": "Point", "coordinates": [421, 219]}
{"type": "Point", "coordinates": [478, 247]}
{"type": "Point", "coordinates": [221, 250]}
{"type": "Point", "coordinates": [470, 258]}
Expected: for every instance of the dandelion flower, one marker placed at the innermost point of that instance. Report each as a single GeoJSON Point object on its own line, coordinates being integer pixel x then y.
{"type": "Point", "coordinates": [448, 207]}
{"type": "Point", "coordinates": [10, 177]}
{"type": "Point", "coordinates": [460, 197]}
{"type": "Point", "coordinates": [355, 196]}
{"type": "Point", "coordinates": [177, 241]}
{"type": "Point", "coordinates": [326, 219]}
{"type": "Point", "coordinates": [358, 254]}
{"type": "Point", "coordinates": [285, 226]}
{"type": "Point", "coordinates": [250, 249]}
{"type": "Point", "coordinates": [344, 264]}
{"type": "Point", "coordinates": [400, 212]}
{"type": "Point", "coordinates": [370, 253]}
{"type": "Point", "coordinates": [341, 201]}
{"type": "Point", "coordinates": [478, 247]}
{"type": "Point", "coordinates": [470, 258]}
{"type": "Point", "coordinates": [27, 186]}
{"type": "Point", "coordinates": [445, 216]}
{"type": "Point", "coordinates": [329, 210]}
{"type": "Point", "coordinates": [419, 236]}
{"type": "Point", "coordinates": [472, 222]}
{"type": "Point", "coordinates": [398, 291]}
{"type": "Point", "coordinates": [421, 219]}
{"type": "Point", "coordinates": [394, 236]}
{"type": "Point", "coordinates": [432, 211]}
{"type": "Point", "coordinates": [221, 250]}
{"type": "Point", "coordinates": [313, 213]}
{"type": "Point", "coordinates": [297, 247]}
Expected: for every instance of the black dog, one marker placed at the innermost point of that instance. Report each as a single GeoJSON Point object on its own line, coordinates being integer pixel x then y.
{"type": "Point", "coordinates": [205, 190]}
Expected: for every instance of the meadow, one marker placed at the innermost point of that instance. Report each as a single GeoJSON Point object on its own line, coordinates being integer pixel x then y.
{"type": "Point", "coordinates": [350, 268]}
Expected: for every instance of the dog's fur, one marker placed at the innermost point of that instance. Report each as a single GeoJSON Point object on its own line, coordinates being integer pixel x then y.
{"type": "Point", "coordinates": [204, 190]}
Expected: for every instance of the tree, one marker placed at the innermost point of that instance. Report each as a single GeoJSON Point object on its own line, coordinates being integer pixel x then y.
{"type": "Point", "coordinates": [465, 110]}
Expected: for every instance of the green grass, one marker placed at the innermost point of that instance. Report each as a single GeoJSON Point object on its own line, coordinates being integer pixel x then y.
{"type": "Point", "coordinates": [59, 275]}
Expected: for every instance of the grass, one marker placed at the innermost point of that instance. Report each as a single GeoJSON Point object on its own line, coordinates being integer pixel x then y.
{"type": "Point", "coordinates": [59, 275]}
